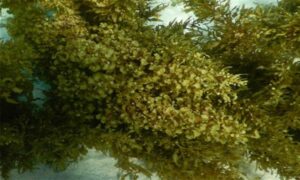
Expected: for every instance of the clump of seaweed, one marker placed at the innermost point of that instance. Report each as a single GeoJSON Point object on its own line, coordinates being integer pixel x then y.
{"type": "Point", "coordinates": [196, 102]}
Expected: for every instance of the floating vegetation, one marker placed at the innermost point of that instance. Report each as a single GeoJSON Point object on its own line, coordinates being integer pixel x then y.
{"type": "Point", "coordinates": [189, 102]}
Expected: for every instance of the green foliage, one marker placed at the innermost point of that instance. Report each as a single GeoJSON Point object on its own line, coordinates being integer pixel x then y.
{"type": "Point", "coordinates": [167, 86]}
{"type": "Point", "coordinates": [16, 62]}
{"type": "Point", "coordinates": [16, 68]}
{"type": "Point", "coordinates": [188, 104]}
{"type": "Point", "coordinates": [260, 43]}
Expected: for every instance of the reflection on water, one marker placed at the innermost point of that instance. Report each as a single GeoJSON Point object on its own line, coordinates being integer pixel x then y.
{"type": "Point", "coordinates": [95, 165]}
{"type": "Point", "coordinates": [156, 157]}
